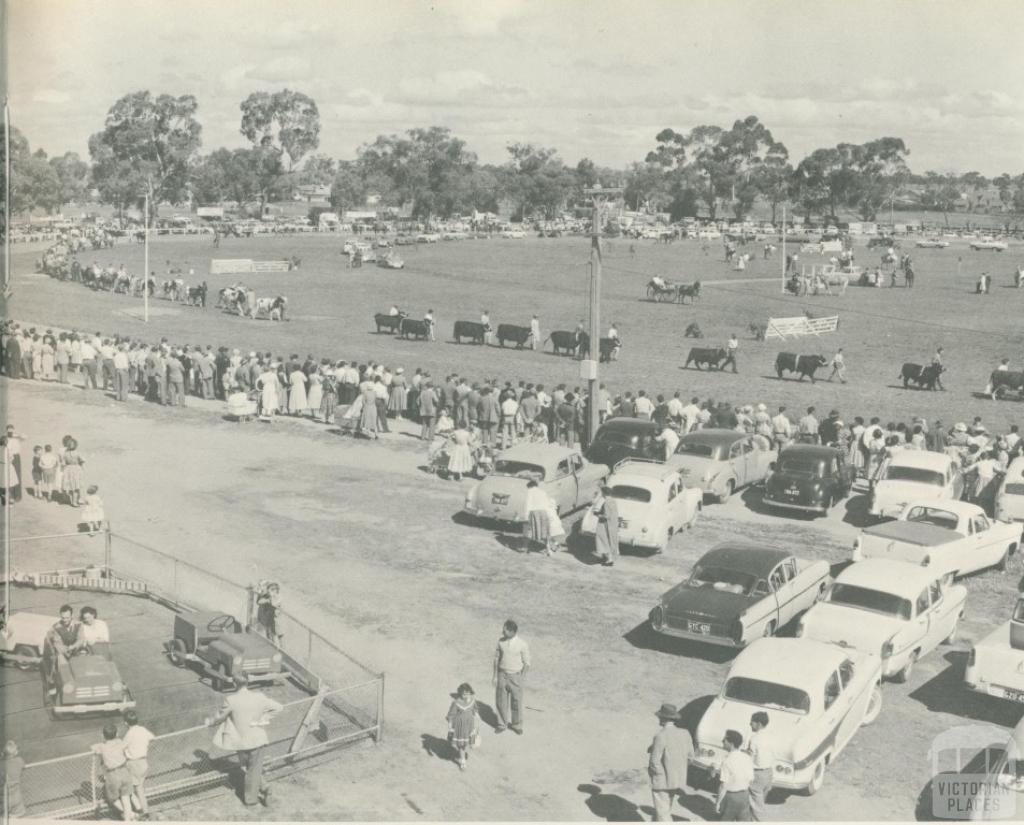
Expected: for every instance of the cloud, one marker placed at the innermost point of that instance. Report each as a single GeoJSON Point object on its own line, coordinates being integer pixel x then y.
{"type": "Point", "coordinates": [290, 69]}
{"type": "Point", "coordinates": [51, 96]}
{"type": "Point", "coordinates": [459, 87]}
{"type": "Point", "coordinates": [481, 19]}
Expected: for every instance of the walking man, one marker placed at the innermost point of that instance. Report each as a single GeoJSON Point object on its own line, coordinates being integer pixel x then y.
{"type": "Point", "coordinates": [937, 362]}
{"type": "Point", "coordinates": [764, 764]}
{"type": "Point", "coordinates": [670, 754]}
{"type": "Point", "coordinates": [734, 780]}
{"type": "Point", "coordinates": [121, 365]}
{"type": "Point", "coordinates": [428, 319]}
{"type": "Point", "coordinates": [511, 663]}
{"type": "Point", "coordinates": [731, 349]}
{"type": "Point", "coordinates": [534, 333]}
{"type": "Point", "coordinates": [838, 367]}
{"type": "Point", "coordinates": [243, 720]}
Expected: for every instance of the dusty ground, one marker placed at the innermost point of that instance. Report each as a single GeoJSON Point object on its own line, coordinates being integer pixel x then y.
{"type": "Point", "coordinates": [369, 549]}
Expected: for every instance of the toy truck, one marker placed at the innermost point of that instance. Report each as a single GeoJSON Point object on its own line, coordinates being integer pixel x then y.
{"type": "Point", "coordinates": [216, 644]}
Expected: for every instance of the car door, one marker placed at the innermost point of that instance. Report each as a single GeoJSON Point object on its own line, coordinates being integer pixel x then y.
{"type": "Point", "coordinates": [562, 487]}
{"type": "Point", "coordinates": [834, 708]}
{"type": "Point", "coordinates": [787, 593]}
{"type": "Point", "coordinates": [920, 625]}
{"type": "Point", "coordinates": [987, 548]}
{"type": "Point", "coordinates": [737, 463]}
{"type": "Point", "coordinates": [944, 615]}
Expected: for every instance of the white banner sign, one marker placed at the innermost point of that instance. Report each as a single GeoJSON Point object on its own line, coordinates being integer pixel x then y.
{"type": "Point", "coordinates": [800, 325]}
{"type": "Point", "coordinates": [271, 266]}
{"type": "Point", "coordinates": [221, 266]}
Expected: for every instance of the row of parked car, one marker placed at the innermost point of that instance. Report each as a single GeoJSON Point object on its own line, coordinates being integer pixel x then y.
{"type": "Point", "coordinates": [895, 602]}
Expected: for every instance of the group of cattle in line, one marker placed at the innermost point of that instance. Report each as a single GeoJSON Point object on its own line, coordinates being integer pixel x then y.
{"type": "Point", "coordinates": [662, 291]}
{"type": "Point", "coordinates": [563, 342]}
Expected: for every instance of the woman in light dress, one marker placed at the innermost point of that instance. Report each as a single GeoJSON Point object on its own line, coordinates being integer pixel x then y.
{"type": "Point", "coordinates": [282, 388]}
{"type": "Point", "coordinates": [37, 357]}
{"type": "Point", "coordinates": [297, 404]}
{"type": "Point", "coordinates": [48, 358]}
{"type": "Point", "coordinates": [398, 396]}
{"type": "Point", "coordinates": [268, 386]}
{"type": "Point", "coordinates": [460, 454]}
{"type": "Point", "coordinates": [72, 478]}
{"type": "Point", "coordinates": [316, 393]}
{"type": "Point", "coordinates": [368, 418]}
{"type": "Point", "coordinates": [62, 358]}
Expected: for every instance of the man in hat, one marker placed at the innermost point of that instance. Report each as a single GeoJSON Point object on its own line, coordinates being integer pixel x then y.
{"type": "Point", "coordinates": [670, 754]}
{"type": "Point", "coordinates": [829, 429]}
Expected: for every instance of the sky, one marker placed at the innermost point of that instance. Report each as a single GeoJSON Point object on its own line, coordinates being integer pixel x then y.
{"type": "Point", "coordinates": [592, 79]}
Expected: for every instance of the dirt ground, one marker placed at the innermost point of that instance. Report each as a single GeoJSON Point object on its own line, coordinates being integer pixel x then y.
{"type": "Point", "coordinates": [370, 549]}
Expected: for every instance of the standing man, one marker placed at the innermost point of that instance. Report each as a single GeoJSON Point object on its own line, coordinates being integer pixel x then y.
{"type": "Point", "coordinates": [734, 780]}
{"type": "Point", "coordinates": [613, 336]}
{"type": "Point", "coordinates": [13, 448]}
{"type": "Point", "coordinates": [428, 319]}
{"type": "Point", "coordinates": [764, 764]}
{"type": "Point", "coordinates": [534, 333]}
{"type": "Point", "coordinates": [485, 322]}
{"type": "Point", "coordinates": [808, 427]}
{"type": "Point", "coordinates": [243, 719]}
{"type": "Point", "coordinates": [121, 365]}
{"type": "Point", "coordinates": [606, 537]}
{"type": "Point", "coordinates": [670, 754]}
{"type": "Point", "coordinates": [428, 410]}
{"type": "Point", "coordinates": [175, 381]}
{"type": "Point", "coordinates": [136, 749]}
{"type": "Point", "coordinates": [488, 416]}
{"type": "Point", "coordinates": [511, 663]}
{"type": "Point", "coordinates": [782, 429]}
{"type": "Point", "coordinates": [838, 367]}
{"type": "Point", "coordinates": [669, 438]}
{"type": "Point", "coordinates": [509, 411]}
{"type": "Point", "coordinates": [937, 362]}
{"type": "Point", "coordinates": [731, 349]}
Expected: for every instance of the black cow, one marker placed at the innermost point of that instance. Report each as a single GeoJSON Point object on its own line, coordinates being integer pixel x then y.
{"type": "Point", "coordinates": [709, 356]}
{"type": "Point", "coordinates": [607, 347]}
{"type": "Point", "coordinates": [510, 332]}
{"type": "Point", "coordinates": [805, 365]}
{"type": "Point", "coordinates": [562, 339]}
{"type": "Point", "coordinates": [1002, 381]}
{"type": "Point", "coordinates": [388, 322]}
{"type": "Point", "coordinates": [693, 331]}
{"type": "Point", "coordinates": [417, 329]}
{"type": "Point", "coordinates": [922, 377]}
{"type": "Point", "coordinates": [472, 330]}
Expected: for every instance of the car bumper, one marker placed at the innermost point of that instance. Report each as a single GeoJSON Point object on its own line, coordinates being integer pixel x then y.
{"type": "Point", "coordinates": [493, 515]}
{"type": "Point", "coordinates": [793, 505]}
{"type": "Point", "coordinates": [97, 707]}
{"type": "Point", "coordinates": [796, 780]}
{"type": "Point", "coordinates": [975, 683]}
{"type": "Point", "coordinates": [706, 638]}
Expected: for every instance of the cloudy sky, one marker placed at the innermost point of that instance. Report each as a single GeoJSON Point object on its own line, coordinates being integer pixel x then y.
{"type": "Point", "coordinates": [594, 78]}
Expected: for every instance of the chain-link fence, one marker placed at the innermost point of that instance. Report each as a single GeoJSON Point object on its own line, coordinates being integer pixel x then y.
{"type": "Point", "coordinates": [344, 701]}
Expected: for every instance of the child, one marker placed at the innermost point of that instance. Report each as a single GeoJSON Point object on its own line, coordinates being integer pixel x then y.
{"type": "Point", "coordinates": [444, 423]}
{"type": "Point", "coordinates": [463, 724]}
{"type": "Point", "coordinates": [268, 605]}
{"type": "Point", "coordinates": [13, 766]}
{"type": "Point", "coordinates": [93, 514]}
{"type": "Point", "coordinates": [48, 468]}
{"type": "Point", "coordinates": [117, 782]}
{"type": "Point", "coordinates": [37, 472]}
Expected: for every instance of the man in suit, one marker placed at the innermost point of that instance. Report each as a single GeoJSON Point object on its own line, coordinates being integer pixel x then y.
{"type": "Point", "coordinates": [670, 754]}
{"type": "Point", "coordinates": [244, 718]}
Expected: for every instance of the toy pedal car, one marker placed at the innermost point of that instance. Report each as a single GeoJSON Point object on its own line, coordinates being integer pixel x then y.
{"type": "Point", "coordinates": [87, 682]}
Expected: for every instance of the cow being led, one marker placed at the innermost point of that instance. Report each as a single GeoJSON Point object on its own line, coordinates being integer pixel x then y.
{"type": "Point", "coordinates": [804, 365]}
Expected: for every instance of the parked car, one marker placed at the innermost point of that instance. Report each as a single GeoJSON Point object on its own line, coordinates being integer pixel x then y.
{"type": "Point", "coordinates": [914, 475]}
{"type": "Point", "coordinates": [809, 478]}
{"type": "Point", "coordinates": [932, 243]}
{"type": "Point", "coordinates": [948, 537]}
{"type": "Point", "coordinates": [816, 696]}
{"type": "Point", "coordinates": [621, 438]}
{"type": "Point", "coordinates": [562, 472]}
{"type": "Point", "coordinates": [900, 610]}
{"type": "Point", "coordinates": [883, 241]}
{"type": "Point", "coordinates": [22, 636]}
{"type": "Point", "coordinates": [989, 244]}
{"type": "Point", "coordinates": [1000, 796]}
{"type": "Point", "coordinates": [737, 593]}
{"type": "Point", "coordinates": [218, 647]}
{"type": "Point", "coordinates": [653, 504]}
{"type": "Point", "coordinates": [720, 462]}
{"type": "Point", "coordinates": [995, 665]}
{"type": "Point", "coordinates": [87, 682]}
{"type": "Point", "coordinates": [1010, 495]}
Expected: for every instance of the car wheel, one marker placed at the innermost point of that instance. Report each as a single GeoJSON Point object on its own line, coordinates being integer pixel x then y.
{"type": "Point", "coordinates": [730, 488]}
{"type": "Point", "coordinates": [874, 706]}
{"type": "Point", "coordinates": [817, 779]}
{"type": "Point", "coordinates": [769, 629]}
{"type": "Point", "coordinates": [177, 651]}
{"type": "Point", "coordinates": [908, 669]}
{"type": "Point", "coordinates": [25, 650]}
{"type": "Point", "coordinates": [951, 638]}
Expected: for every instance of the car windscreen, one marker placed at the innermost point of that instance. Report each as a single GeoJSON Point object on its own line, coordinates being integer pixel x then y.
{"type": "Point", "coordinates": [519, 468]}
{"type": "Point", "coordinates": [627, 493]}
{"type": "Point", "coordinates": [617, 437]}
{"type": "Point", "coordinates": [767, 694]}
{"type": "Point", "coordinates": [864, 598]}
{"type": "Point", "coordinates": [933, 515]}
{"type": "Point", "coordinates": [722, 578]}
{"type": "Point", "coordinates": [1014, 489]}
{"type": "Point", "coordinates": [1018, 611]}
{"type": "Point", "coordinates": [801, 467]}
{"type": "Point", "coordinates": [918, 475]}
{"type": "Point", "coordinates": [697, 449]}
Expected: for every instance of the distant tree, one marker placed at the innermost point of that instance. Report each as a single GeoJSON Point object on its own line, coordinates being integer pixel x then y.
{"type": "Point", "coordinates": [148, 144]}
{"type": "Point", "coordinates": [774, 182]}
{"type": "Point", "coordinates": [646, 183]}
{"type": "Point", "coordinates": [73, 174]}
{"type": "Point", "coordinates": [318, 170]}
{"type": "Point", "coordinates": [880, 171]}
{"type": "Point", "coordinates": [700, 153]}
{"type": "Point", "coordinates": [227, 174]}
{"type": "Point", "coordinates": [538, 180]}
{"type": "Point", "coordinates": [283, 128]}
{"type": "Point", "coordinates": [348, 189]}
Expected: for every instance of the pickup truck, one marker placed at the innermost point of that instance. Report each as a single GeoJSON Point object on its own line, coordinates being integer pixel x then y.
{"type": "Point", "coordinates": [948, 537]}
{"type": "Point", "coordinates": [995, 665]}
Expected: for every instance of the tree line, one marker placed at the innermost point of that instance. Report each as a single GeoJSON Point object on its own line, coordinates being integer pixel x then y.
{"type": "Point", "coordinates": [149, 148]}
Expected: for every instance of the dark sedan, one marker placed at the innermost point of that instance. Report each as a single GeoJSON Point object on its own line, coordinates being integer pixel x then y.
{"type": "Point", "coordinates": [621, 438]}
{"type": "Point", "coordinates": [809, 478]}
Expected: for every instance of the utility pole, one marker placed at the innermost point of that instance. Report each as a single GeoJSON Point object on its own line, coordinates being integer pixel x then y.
{"type": "Point", "coordinates": [145, 257]}
{"type": "Point", "coordinates": [588, 367]}
{"type": "Point", "coordinates": [8, 185]}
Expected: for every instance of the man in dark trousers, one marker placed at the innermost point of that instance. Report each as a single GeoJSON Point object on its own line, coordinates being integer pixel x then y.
{"type": "Point", "coordinates": [511, 664]}
{"type": "Point", "coordinates": [670, 755]}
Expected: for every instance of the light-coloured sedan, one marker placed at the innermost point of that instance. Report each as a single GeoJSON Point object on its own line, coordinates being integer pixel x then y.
{"type": "Point", "coordinates": [720, 462]}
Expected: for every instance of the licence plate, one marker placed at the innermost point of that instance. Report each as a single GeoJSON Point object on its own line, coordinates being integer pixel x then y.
{"type": "Point", "coordinates": [623, 523]}
{"type": "Point", "coordinates": [1014, 695]}
{"type": "Point", "coordinates": [792, 491]}
{"type": "Point", "coordinates": [698, 627]}
{"type": "Point", "coordinates": [499, 498]}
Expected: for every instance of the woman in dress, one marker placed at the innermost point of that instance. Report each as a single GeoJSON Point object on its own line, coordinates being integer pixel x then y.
{"type": "Point", "coordinates": [368, 418]}
{"type": "Point", "coordinates": [49, 353]}
{"type": "Point", "coordinates": [37, 357]}
{"type": "Point", "coordinates": [268, 386]}
{"type": "Point", "coordinates": [460, 455]}
{"type": "Point", "coordinates": [398, 397]}
{"type": "Point", "coordinates": [72, 481]}
{"type": "Point", "coordinates": [62, 358]}
{"type": "Point", "coordinates": [537, 529]}
{"type": "Point", "coordinates": [76, 353]}
{"type": "Point", "coordinates": [329, 399]}
{"type": "Point", "coordinates": [283, 381]}
{"type": "Point", "coordinates": [316, 393]}
{"type": "Point", "coordinates": [463, 724]}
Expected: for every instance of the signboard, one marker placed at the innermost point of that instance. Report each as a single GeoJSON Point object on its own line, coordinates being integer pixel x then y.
{"type": "Point", "coordinates": [800, 325]}
{"type": "Point", "coordinates": [210, 212]}
{"type": "Point", "coordinates": [222, 266]}
{"type": "Point", "coordinates": [271, 266]}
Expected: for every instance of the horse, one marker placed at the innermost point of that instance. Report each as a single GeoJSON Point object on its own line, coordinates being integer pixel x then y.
{"type": "Point", "coordinates": [691, 291]}
{"type": "Point", "coordinates": [273, 308]}
{"type": "Point", "coordinates": [839, 279]}
{"type": "Point", "coordinates": [660, 289]}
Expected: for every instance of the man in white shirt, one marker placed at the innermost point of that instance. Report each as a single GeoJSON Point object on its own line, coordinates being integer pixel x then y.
{"type": "Point", "coordinates": [735, 777]}
{"type": "Point", "coordinates": [782, 429]}
{"type": "Point", "coordinates": [809, 428]}
{"type": "Point", "coordinates": [764, 765]}
{"type": "Point", "coordinates": [534, 333]}
{"type": "Point", "coordinates": [675, 409]}
{"type": "Point", "coordinates": [121, 365]}
{"type": "Point", "coordinates": [89, 366]}
{"type": "Point", "coordinates": [732, 348]}
{"type": "Point", "coordinates": [691, 413]}
{"type": "Point", "coordinates": [511, 664]}
{"type": "Point", "coordinates": [670, 439]}
{"type": "Point", "coordinates": [485, 322]}
{"type": "Point", "coordinates": [509, 410]}
{"type": "Point", "coordinates": [428, 318]}
{"type": "Point", "coordinates": [644, 406]}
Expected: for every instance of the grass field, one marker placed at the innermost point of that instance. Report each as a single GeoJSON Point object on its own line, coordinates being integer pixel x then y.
{"type": "Point", "coordinates": [331, 308]}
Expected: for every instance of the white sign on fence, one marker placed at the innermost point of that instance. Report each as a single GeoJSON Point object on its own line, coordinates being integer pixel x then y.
{"type": "Point", "coordinates": [271, 266]}
{"type": "Point", "coordinates": [800, 325]}
{"type": "Point", "coordinates": [221, 266]}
